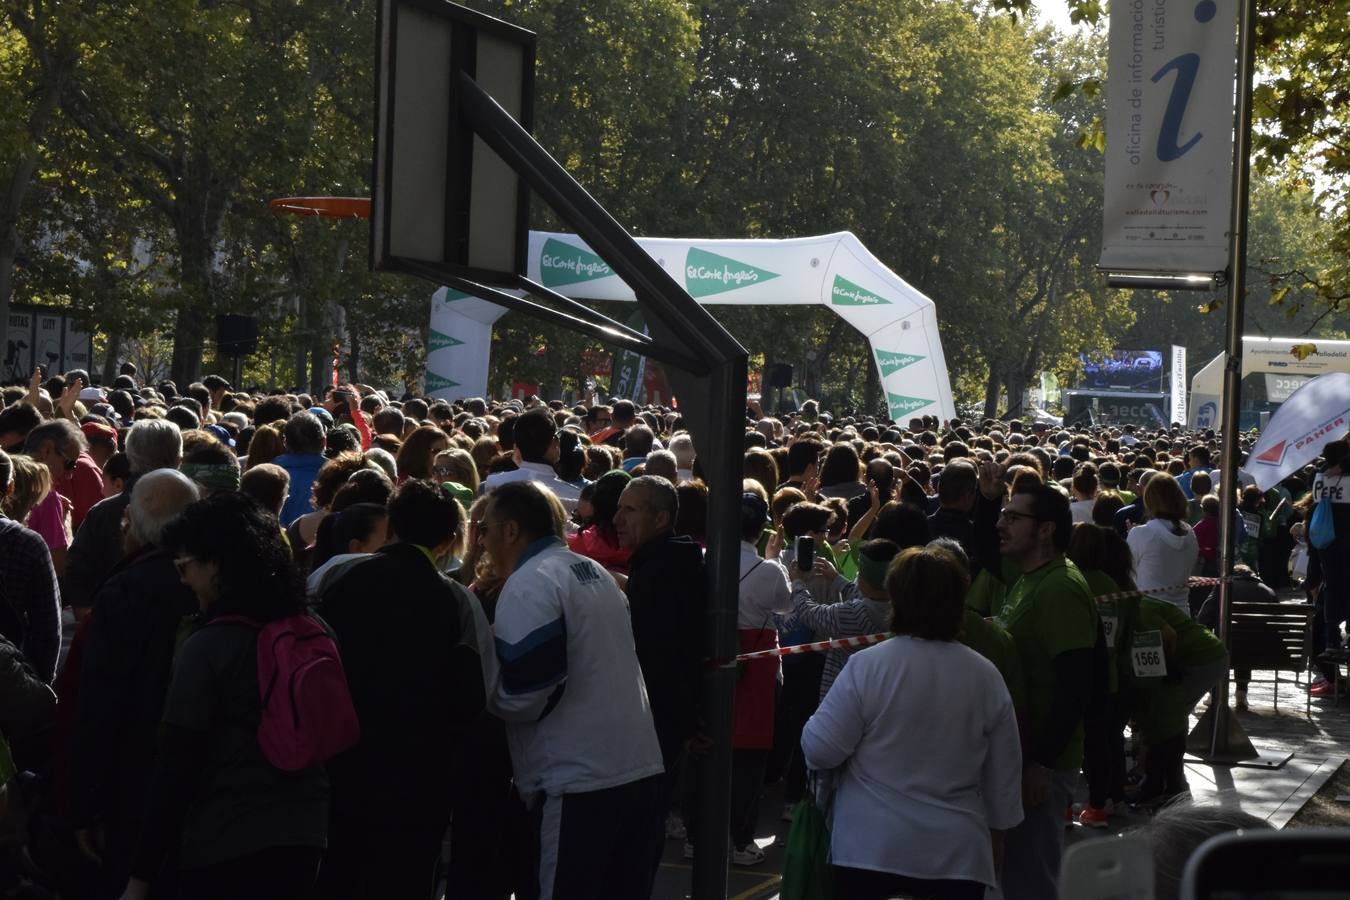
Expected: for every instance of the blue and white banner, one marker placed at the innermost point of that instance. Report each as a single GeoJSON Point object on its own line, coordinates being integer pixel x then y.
{"type": "Point", "coordinates": [1169, 136]}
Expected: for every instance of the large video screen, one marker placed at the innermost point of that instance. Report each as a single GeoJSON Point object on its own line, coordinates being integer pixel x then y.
{"type": "Point", "coordinates": [1123, 370]}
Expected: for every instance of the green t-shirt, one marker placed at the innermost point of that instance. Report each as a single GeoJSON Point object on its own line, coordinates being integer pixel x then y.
{"type": "Point", "coordinates": [1158, 705]}
{"type": "Point", "coordinates": [1049, 612]}
{"type": "Point", "coordinates": [1101, 584]}
{"type": "Point", "coordinates": [848, 563]}
{"type": "Point", "coordinates": [988, 592]}
{"type": "Point", "coordinates": [989, 639]}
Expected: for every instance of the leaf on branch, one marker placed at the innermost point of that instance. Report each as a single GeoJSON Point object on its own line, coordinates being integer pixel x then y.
{"type": "Point", "coordinates": [1292, 311]}
{"type": "Point", "coordinates": [1092, 87]}
{"type": "Point", "coordinates": [1062, 90]}
{"type": "Point", "coordinates": [1093, 137]}
{"type": "Point", "coordinates": [1302, 351]}
{"type": "Point", "coordinates": [1277, 297]}
{"type": "Point", "coordinates": [1211, 306]}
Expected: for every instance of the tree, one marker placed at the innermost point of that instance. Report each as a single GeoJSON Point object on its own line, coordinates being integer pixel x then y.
{"type": "Point", "coordinates": [231, 97]}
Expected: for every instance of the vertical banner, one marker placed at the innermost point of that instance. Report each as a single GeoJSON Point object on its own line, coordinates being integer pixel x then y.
{"type": "Point", "coordinates": [1169, 136]}
{"type": "Point", "coordinates": [629, 367]}
{"type": "Point", "coordinates": [76, 347]}
{"type": "Point", "coordinates": [18, 347]}
{"type": "Point", "coordinates": [1178, 384]}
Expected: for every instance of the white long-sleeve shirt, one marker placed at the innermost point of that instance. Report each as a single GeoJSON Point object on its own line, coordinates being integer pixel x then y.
{"type": "Point", "coordinates": [927, 740]}
{"type": "Point", "coordinates": [1163, 558]}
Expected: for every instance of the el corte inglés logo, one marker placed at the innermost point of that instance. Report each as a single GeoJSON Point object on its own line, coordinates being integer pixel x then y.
{"type": "Point", "coordinates": [439, 383]}
{"type": "Point", "coordinates": [893, 362]}
{"type": "Point", "coordinates": [707, 273]}
{"type": "Point", "coordinates": [901, 405]}
{"type": "Point", "coordinates": [437, 341]}
{"type": "Point", "coordinates": [563, 263]}
{"type": "Point", "coordinates": [846, 293]}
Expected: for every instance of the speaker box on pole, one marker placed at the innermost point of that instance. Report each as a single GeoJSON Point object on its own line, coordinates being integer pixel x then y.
{"type": "Point", "coordinates": [236, 335]}
{"type": "Point", "coordinates": [780, 375]}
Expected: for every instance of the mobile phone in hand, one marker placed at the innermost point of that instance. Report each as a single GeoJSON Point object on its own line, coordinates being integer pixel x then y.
{"type": "Point", "coordinates": [806, 553]}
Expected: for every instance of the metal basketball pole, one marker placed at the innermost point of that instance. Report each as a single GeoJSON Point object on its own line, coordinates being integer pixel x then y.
{"type": "Point", "coordinates": [1227, 742]}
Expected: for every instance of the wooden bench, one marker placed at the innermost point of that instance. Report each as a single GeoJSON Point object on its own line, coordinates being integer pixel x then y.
{"type": "Point", "coordinates": [1274, 637]}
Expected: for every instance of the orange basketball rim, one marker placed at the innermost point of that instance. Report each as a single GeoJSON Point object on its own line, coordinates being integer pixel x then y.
{"type": "Point", "coordinates": [325, 207]}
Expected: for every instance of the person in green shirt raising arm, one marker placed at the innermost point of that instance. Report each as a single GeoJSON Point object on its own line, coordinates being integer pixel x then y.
{"type": "Point", "coordinates": [1051, 617]}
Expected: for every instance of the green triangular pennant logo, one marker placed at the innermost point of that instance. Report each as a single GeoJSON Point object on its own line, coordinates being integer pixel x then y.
{"type": "Point", "coordinates": [563, 263]}
{"type": "Point", "coordinates": [707, 273]}
{"type": "Point", "coordinates": [439, 383]}
{"type": "Point", "coordinates": [437, 341]}
{"type": "Point", "coordinates": [893, 362]}
{"type": "Point", "coordinates": [901, 405]}
{"type": "Point", "coordinates": [846, 293]}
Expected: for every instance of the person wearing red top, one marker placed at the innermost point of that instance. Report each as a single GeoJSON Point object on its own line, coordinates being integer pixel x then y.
{"type": "Point", "coordinates": [83, 488]}
{"type": "Point", "coordinates": [1207, 535]}
{"type": "Point", "coordinates": [599, 541]}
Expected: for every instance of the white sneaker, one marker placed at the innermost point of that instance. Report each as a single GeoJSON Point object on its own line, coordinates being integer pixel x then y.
{"type": "Point", "coordinates": [749, 855]}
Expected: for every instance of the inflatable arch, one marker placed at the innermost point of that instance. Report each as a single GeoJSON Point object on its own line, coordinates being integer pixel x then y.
{"type": "Point", "coordinates": [833, 270]}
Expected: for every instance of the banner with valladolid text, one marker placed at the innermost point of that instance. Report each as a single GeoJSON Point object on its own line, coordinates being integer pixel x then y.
{"type": "Point", "coordinates": [833, 270]}
{"type": "Point", "coordinates": [1169, 136]}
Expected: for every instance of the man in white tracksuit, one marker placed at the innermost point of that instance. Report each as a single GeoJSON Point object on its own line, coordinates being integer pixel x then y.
{"type": "Point", "coordinates": [586, 758]}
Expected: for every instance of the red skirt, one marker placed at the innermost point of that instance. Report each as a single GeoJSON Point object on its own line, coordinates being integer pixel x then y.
{"type": "Point", "coordinates": [756, 687]}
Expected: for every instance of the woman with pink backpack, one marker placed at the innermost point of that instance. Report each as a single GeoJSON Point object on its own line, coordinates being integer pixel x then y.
{"type": "Point", "coordinates": [239, 798]}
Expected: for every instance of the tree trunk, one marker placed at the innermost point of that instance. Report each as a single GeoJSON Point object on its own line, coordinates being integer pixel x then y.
{"type": "Point", "coordinates": [872, 392]}
{"type": "Point", "coordinates": [111, 359]}
{"type": "Point", "coordinates": [1017, 388]}
{"type": "Point", "coordinates": [991, 388]}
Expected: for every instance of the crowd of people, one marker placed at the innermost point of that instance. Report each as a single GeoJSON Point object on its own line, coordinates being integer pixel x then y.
{"type": "Point", "coordinates": [504, 606]}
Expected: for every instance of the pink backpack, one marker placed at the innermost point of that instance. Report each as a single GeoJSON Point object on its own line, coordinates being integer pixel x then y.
{"type": "Point", "coordinates": [307, 712]}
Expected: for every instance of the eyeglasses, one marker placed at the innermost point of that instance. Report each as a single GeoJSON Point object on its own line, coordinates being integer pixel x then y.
{"type": "Point", "coordinates": [181, 564]}
{"type": "Point", "coordinates": [441, 470]}
{"type": "Point", "coordinates": [1014, 515]}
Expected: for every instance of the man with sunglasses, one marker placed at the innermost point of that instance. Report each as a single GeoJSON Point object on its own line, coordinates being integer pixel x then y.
{"type": "Point", "coordinates": [1052, 620]}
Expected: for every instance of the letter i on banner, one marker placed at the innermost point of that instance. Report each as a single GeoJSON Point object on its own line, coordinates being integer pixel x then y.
{"type": "Point", "coordinates": [1169, 136]}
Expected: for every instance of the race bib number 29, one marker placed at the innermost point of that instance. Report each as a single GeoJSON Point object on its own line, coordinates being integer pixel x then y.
{"type": "Point", "coordinates": [1146, 655]}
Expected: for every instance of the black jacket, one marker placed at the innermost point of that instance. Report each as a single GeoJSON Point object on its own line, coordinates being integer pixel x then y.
{"type": "Point", "coordinates": [667, 595]}
{"type": "Point", "coordinates": [95, 551]}
{"type": "Point", "coordinates": [408, 644]}
{"type": "Point", "coordinates": [126, 665]}
{"type": "Point", "coordinates": [27, 704]}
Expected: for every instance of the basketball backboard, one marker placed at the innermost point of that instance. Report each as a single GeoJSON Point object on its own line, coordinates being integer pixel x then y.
{"type": "Point", "coordinates": [480, 230]}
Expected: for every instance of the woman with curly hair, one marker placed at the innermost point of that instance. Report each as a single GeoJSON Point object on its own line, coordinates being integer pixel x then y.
{"type": "Point", "coordinates": [241, 826]}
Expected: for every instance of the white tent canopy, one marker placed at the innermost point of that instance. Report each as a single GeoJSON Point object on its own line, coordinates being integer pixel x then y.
{"type": "Point", "coordinates": [1261, 354]}
{"type": "Point", "coordinates": [833, 270]}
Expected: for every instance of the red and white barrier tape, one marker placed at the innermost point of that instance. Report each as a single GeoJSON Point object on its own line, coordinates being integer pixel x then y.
{"type": "Point", "coordinates": [1194, 581]}
{"type": "Point", "coordinates": [818, 647]}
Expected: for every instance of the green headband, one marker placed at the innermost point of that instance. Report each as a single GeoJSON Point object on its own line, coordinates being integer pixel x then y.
{"type": "Point", "coordinates": [213, 476]}
{"type": "Point", "coordinates": [873, 570]}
